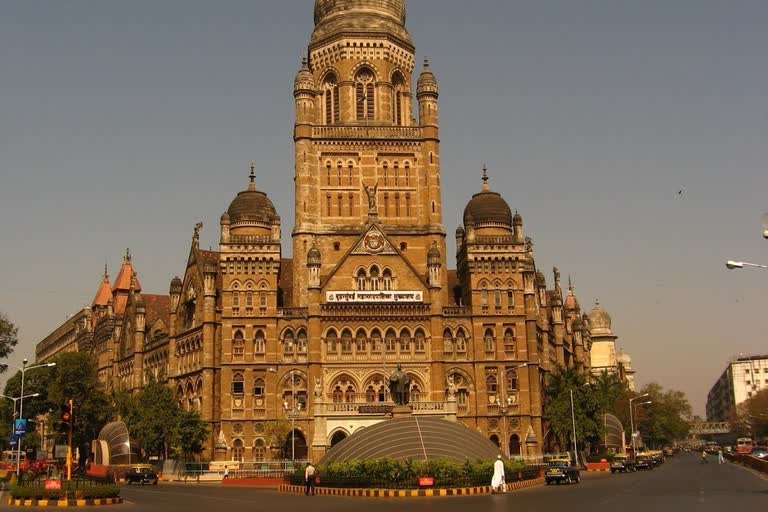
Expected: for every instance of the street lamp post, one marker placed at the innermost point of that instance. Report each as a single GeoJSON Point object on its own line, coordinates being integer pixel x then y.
{"type": "Point", "coordinates": [16, 399]}
{"type": "Point", "coordinates": [730, 265]}
{"type": "Point", "coordinates": [23, 369]}
{"type": "Point", "coordinates": [573, 419]}
{"type": "Point", "coordinates": [632, 421]}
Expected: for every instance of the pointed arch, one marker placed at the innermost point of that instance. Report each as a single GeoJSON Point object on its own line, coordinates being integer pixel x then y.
{"type": "Point", "coordinates": [330, 89]}
{"type": "Point", "coordinates": [365, 80]}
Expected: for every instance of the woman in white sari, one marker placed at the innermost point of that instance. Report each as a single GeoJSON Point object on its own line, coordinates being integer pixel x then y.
{"type": "Point", "coordinates": [497, 482]}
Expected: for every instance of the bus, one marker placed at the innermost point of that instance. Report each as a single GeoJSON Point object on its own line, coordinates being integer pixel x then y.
{"type": "Point", "coordinates": [744, 445]}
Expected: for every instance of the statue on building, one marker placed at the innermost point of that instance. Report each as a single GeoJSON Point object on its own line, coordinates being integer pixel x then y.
{"type": "Point", "coordinates": [371, 193]}
{"type": "Point", "coordinates": [196, 236]}
{"type": "Point", "coordinates": [400, 386]}
{"type": "Point", "coordinates": [318, 388]}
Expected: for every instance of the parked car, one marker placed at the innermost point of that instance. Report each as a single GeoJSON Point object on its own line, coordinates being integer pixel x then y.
{"type": "Point", "coordinates": [761, 452]}
{"type": "Point", "coordinates": [622, 464]}
{"type": "Point", "coordinates": [561, 470]}
{"type": "Point", "coordinates": [643, 461]}
{"type": "Point", "coordinates": [143, 474]}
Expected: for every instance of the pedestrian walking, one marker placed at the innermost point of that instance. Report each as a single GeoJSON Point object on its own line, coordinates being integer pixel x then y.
{"type": "Point", "coordinates": [309, 479]}
{"type": "Point", "coordinates": [226, 472]}
{"type": "Point", "coordinates": [704, 457]}
{"type": "Point", "coordinates": [720, 458]}
{"type": "Point", "coordinates": [497, 481]}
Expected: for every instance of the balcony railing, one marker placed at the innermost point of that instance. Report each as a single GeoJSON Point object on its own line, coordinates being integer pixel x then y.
{"type": "Point", "coordinates": [367, 132]}
{"type": "Point", "coordinates": [293, 312]}
{"type": "Point", "coordinates": [457, 311]}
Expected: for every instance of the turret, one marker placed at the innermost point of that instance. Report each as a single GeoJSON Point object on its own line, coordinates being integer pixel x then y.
{"type": "Point", "coordinates": [433, 265]}
{"type": "Point", "coordinates": [314, 262]}
{"type": "Point", "coordinates": [224, 223]}
{"type": "Point", "coordinates": [517, 227]}
{"type": "Point", "coordinates": [427, 93]}
{"type": "Point", "coordinates": [304, 95]}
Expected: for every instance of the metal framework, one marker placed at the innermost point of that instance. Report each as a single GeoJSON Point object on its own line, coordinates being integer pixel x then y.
{"type": "Point", "coordinates": [718, 427]}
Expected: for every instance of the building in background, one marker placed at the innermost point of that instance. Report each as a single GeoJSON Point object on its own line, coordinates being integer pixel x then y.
{"type": "Point", "coordinates": [604, 356]}
{"type": "Point", "coordinates": [741, 380]}
{"type": "Point", "coordinates": [248, 337]}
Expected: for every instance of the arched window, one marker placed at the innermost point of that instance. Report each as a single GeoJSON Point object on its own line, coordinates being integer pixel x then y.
{"type": "Point", "coordinates": [258, 388]}
{"type": "Point", "coordinates": [509, 340]}
{"type": "Point", "coordinates": [514, 445]}
{"type": "Point", "coordinates": [361, 342]}
{"type": "Point", "coordinates": [259, 345]}
{"type": "Point", "coordinates": [259, 451]}
{"type": "Point", "coordinates": [331, 97]}
{"type": "Point", "coordinates": [398, 98]}
{"type": "Point", "coordinates": [349, 395]}
{"type": "Point", "coordinates": [488, 341]}
{"type": "Point", "coordinates": [364, 101]}
{"type": "Point", "coordinates": [387, 279]}
{"type": "Point", "coordinates": [510, 300]}
{"type": "Point", "coordinates": [419, 341]}
{"type": "Point", "coordinates": [491, 385]}
{"type": "Point", "coordinates": [497, 299]}
{"type": "Point", "coordinates": [235, 299]}
{"type": "Point", "coordinates": [350, 173]}
{"type": "Point", "coordinates": [301, 342]}
{"type": "Point", "coordinates": [361, 279]}
{"type": "Point", "coordinates": [405, 342]}
{"type": "Point", "coordinates": [390, 341]}
{"type": "Point", "coordinates": [370, 394]}
{"type": "Point", "coordinates": [238, 345]}
{"type": "Point", "coordinates": [512, 384]}
{"type": "Point", "coordinates": [338, 395]}
{"type": "Point", "coordinates": [237, 450]}
{"type": "Point", "coordinates": [375, 278]}
{"type": "Point", "coordinates": [484, 298]}
{"type": "Point", "coordinates": [376, 341]}
{"type": "Point", "coordinates": [346, 342]}
{"type": "Point", "coordinates": [415, 393]}
{"type": "Point", "coordinates": [495, 440]}
{"type": "Point", "coordinates": [238, 384]}
{"type": "Point", "coordinates": [288, 347]}
{"type": "Point", "coordinates": [447, 341]}
{"type": "Point", "coordinates": [461, 341]}
{"type": "Point", "coordinates": [249, 299]}
{"type": "Point", "coordinates": [332, 342]}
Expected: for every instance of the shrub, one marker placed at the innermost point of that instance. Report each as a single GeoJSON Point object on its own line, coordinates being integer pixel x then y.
{"type": "Point", "coordinates": [74, 490]}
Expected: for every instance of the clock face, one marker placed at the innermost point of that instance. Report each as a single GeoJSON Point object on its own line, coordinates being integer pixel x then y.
{"type": "Point", "coordinates": [374, 242]}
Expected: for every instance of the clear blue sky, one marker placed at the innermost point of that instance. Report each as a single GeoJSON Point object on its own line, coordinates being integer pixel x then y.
{"type": "Point", "coordinates": [124, 123]}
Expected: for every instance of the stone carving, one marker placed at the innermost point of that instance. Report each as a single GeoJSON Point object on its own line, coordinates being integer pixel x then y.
{"type": "Point", "coordinates": [399, 386]}
{"type": "Point", "coordinates": [451, 386]}
{"type": "Point", "coordinates": [371, 193]}
{"type": "Point", "coordinates": [318, 388]}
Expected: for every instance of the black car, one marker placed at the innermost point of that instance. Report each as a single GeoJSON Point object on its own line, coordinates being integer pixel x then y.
{"type": "Point", "coordinates": [643, 462]}
{"type": "Point", "coordinates": [141, 475]}
{"type": "Point", "coordinates": [561, 470]}
{"type": "Point", "coordinates": [622, 464]}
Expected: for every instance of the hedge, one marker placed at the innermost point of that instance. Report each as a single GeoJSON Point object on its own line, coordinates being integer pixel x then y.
{"type": "Point", "coordinates": [68, 491]}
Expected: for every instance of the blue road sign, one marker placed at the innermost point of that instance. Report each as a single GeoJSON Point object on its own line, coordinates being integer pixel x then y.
{"type": "Point", "coordinates": [20, 427]}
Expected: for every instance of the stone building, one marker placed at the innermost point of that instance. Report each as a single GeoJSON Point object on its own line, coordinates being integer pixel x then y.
{"type": "Point", "coordinates": [604, 356]}
{"type": "Point", "coordinates": [247, 336]}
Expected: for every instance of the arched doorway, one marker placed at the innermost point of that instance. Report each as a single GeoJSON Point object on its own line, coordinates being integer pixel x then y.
{"type": "Point", "coordinates": [295, 446]}
{"type": "Point", "coordinates": [514, 446]}
{"type": "Point", "coordinates": [338, 437]}
{"type": "Point", "coordinates": [495, 440]}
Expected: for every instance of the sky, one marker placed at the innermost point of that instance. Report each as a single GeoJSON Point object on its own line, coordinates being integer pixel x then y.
{"type": "Point", "coordinates": [631, 136]}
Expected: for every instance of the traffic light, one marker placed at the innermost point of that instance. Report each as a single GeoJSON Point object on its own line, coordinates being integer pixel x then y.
{"type": "Point", "coordinates": [65, 425]}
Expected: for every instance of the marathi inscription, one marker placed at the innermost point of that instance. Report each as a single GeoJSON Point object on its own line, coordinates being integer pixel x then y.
{"type": "Point", "coordinates": [375, 409]}
{"type": "Point", "coordinates": [374, 297]}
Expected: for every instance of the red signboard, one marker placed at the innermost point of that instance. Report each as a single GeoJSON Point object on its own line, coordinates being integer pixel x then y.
{"type": "Point", "coordinates": [53, 485]}
{"type": "Point", "coordinates": [426, 481]}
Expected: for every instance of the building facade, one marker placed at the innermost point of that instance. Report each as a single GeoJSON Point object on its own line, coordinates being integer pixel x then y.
{"type": "Point", "coordinates": [252, 339]}
{"type": "Point", "coordinates": [604, 356]}
{"type": "Point", "coordinates": [741, 380]}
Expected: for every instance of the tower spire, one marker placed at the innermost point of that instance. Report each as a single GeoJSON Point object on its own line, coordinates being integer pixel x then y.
{"type": "Point", "coordinates": [486, 187]}
{"type": "Point", "coordinates": [252, 177]}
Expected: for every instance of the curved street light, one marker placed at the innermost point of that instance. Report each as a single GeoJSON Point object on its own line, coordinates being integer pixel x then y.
{"type": "Point", "coordinates": [730, 265]}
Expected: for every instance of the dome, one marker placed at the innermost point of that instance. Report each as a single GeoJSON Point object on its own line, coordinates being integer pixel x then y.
{"type": "Point", "coordinates": [304, 80]}
{"type": "Point", "coordinates": [313, 256]}
{"type": "Point", "coordinates": [487, 208]}
{"type": "Point", "coordinates": [599, 320]}
{"type": "Point", "coordinates": [176, 285]}
{"type": "Point", "coordinates": [252, 206]}
{"type": "Point", "coordinates": [408, 438]}
{"type": "Point", "coordinates": [517, 220]}
{"type": "Point", "coordinates": [427, 83]}
{"type": "Point", "coordinates": [433, 255]}
{"type": "Point", "coordinates": [360, 16]}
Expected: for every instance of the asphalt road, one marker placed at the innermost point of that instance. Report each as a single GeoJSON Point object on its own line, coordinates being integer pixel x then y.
{"type": "Point", "coordinates": [683, 484]}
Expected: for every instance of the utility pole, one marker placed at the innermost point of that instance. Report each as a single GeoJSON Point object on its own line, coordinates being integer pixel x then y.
{"type": "Point", "coordinates": [69, 439]}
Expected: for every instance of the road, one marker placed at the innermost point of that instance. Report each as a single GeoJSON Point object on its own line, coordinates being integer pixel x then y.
{"type": "Point", "coordinates": [683, 483]}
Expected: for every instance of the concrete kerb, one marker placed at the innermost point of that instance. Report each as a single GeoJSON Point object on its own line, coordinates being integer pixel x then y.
{"type": "Point", "coordinates": [410, 493]}
{"type": "Point", "coordinates": [65, 503]}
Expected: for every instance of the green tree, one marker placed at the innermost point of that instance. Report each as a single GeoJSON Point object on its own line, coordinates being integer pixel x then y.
{"type": "Point", "coordinates": [666, 419]}
{"type": "Point", "coordinates": [8, 338]}
{"type": "Point", "coordinates": [75, 378]}
{"type": "Point", "coordinates": [586, 407]}
{"type": "Point", "coordinates": [36, 381]}
{"type": "Point", "coordinates": [153, 417]}
{"type": "Point", "coordinates": [753, 414]}
{"type": "Point", "coordinates": [189, 433]}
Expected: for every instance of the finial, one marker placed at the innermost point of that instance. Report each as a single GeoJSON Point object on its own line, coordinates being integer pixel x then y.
{"type": "Point", "coordinates": [486, 187]}
{"type": "Point", "coordinates": [127, 255]}
{"type": "Point", "coordinates": [252, 176]}
{"type": "Point", "coordinates": [105, 268]}
{"type": "Point", "coordinates": [570, 284]}
{"type": "Point", "coordinates": [304, 64]}
{"type": "Point", "coordinates": [426, 63]}
{"type": "Point", "coordinates": [597, 302]}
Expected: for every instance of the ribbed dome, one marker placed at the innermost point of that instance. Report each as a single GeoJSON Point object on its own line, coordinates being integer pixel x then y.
{"type": "Point", "coordinates": [487, 208]}
{"type": "Point", "coordinates": [414, 438]}
{"type": "Point", "coordinates": [176, 286]}
{"type": "Point", "coordinates": [599, 320]}
{"type": "Point", "coordinates": [313, 256]}
{"type": "Point", "coordinates": [433, 255]}
{"type": "Point", "coordinates": [252, 206]}
{"type": "Point", "coordinates": [517, 220]}
{"type": "Point", "coordinates": [370, 16]}
{"type": "Point", "coordinates": [427, 83]}
{"type": "Point", "coordinates": [304, 80]}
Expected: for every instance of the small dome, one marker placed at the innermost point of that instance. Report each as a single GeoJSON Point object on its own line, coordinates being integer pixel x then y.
{"type": "Point", "coordinates": [541, 280]}
{"type": "Point", "coordinates": [304, 80]}
{"type": "Point", "coordinates": [409, 438]}
{"type": "Point", "coordinates": [599, 320]}
{"type": "Point", "coordinates": [252, 206]}
{"type": "Point", "coordinates": [487, 208]}
{"type": "Point", "coordinates": [427, 83]}
{"type": "Point", "coordinates": [225, 218]}
{"type": "Point", "coordinates": [176, 285]}
{"type": "Point", "coordinates": [517, 220]}
{"type": "Point", "coordinates": [313, 256]}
